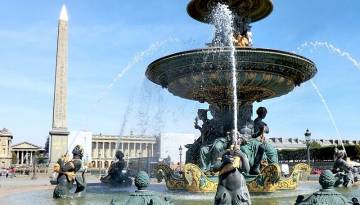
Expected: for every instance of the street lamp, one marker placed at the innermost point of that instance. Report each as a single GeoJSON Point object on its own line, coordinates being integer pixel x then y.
{"type": "Point", "coordinates": [308, 139]}
{"type": "Point", "coordinates": [180, 153]}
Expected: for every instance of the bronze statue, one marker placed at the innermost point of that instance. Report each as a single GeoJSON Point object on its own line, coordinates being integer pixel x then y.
{"type": "Point", "coordinates": [70, 171]}
{"type": "Point", "coordinates": [343, 171]}
{"type": "Point", "coordinates": [232, 189]}
{"type": "Point", "coordinates": [256, 149]}
{"type": "Point", "coordinates": [214, 142]}
{"type": "Point", "coordinates": [327, 194]}
{"type": "Point", "coordinates": [117, 174]}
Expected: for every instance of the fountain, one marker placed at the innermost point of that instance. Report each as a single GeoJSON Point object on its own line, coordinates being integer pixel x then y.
{"type": "Point", "coordinates": [230, 76]}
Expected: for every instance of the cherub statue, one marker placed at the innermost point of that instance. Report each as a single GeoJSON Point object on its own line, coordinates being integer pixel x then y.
{"type": "Point", "coordinates": [232, 189]}
{"type": "Point", "coordinates": [243, 41]}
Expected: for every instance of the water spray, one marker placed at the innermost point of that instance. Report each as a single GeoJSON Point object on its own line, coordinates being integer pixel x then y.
{"type": "Point", "coordinates": [223, 20]}
{"type": "Point", "coordinates": [333, 49]}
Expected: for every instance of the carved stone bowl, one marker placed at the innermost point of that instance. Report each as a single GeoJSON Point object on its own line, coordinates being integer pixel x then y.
{"type": "Point", "coordinates": [205, 74]}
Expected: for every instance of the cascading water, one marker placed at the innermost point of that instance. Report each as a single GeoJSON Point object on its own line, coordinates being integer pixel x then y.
{"type": "Point", "coordinates": [223, 20]}
{"type": "Point", "coordinates": [341, 53]}
{"type": "Point", "coordinates": [136, 59]}
{"type": "Point", "coordinates": [332, 119]}
{"type": "Point", "coordinates": [331, 48]}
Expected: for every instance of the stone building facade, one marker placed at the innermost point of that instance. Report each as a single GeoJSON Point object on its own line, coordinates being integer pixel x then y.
{"type": "Point", "coordinates": [133, 147]}
{"type": "Point", "coordinates": [24, 153]}
{"type": "Point", "coordinates": [5, 148]}
{"type": "Point", "coordinates": [296, 143]}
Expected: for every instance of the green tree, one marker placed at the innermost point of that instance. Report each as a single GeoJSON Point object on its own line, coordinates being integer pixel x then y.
{"type": "Point", "coordinates": [13, 158]}
{"type": "Point", "coordinates": [314, 145]}
{"type": "Point", "coordinates": [357, 151]}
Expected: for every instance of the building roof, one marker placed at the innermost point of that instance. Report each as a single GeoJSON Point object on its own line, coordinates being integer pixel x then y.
{"type": "Point", "coordinates": [25, 145]}
{"type": "Point", "coordinates": [5, 133]}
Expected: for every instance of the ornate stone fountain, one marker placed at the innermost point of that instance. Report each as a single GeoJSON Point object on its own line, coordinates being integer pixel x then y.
{"type": "Point", "coordinates": [205, 75]}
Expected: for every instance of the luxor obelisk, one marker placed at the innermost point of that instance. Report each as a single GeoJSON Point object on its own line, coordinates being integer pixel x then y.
{"type": "Point", "coordinates": [59, 132]}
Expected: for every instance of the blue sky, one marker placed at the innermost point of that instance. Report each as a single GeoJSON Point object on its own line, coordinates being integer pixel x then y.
{"type": "Point", "coordinates": [107, 36]}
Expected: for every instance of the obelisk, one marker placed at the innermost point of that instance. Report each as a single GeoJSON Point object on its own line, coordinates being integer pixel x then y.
{"type": "Point", "coordinates": [59, 132]}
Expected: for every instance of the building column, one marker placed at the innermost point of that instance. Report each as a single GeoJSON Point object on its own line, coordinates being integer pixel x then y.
{"type": "Point", "coordinates": [95, 152]}
{"type": "Point", "coordinates": [17, 157]}
{"type": "Point", "coordinates": [22, 157]}
{"type": "Point", "coordinates": [103, 150]}
{"type": "Point", "coordinates": [128, 149]}
{"type": "Point", "coordinates": [152, 150]}
{"type": "Point", "coordinates": [31, 157]}
{"type": "Point", "coordinates": [98, 150]}
{"type": "Point", "coordinates": [108, 151]}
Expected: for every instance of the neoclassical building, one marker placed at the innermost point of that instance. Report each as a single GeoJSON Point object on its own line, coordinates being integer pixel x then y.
{"type": "Point", "coordinates": [5, 148]}
{"type": "Point", "coordinates": [25, 153]}
{"type": "Point", "coordinates": [296, 143]}
{"type": "Point", "coordinates": [133, 147]}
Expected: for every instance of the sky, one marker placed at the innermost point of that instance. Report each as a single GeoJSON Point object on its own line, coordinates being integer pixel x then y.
{"type": "Point", "coordinates": [112, 42]}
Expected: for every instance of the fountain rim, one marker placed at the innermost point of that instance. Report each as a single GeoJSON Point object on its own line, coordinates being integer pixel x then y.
{"type": "Point", "coordinates": [227, 48]}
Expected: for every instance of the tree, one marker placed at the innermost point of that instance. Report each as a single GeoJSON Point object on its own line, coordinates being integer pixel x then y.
{"type": "Point", "coordinates": [14, 158]}
{"type": "Point", "coordinates": [314, 145]}
{"type": "Point", "coordinates": [46, 148]}
{"type": "Point", "coordinates": [357, 151]}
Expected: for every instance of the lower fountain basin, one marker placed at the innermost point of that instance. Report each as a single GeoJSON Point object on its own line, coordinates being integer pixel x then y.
{"type": "Point", "coordinates": [205, 74]}
{"type": "Point", "coordinates": [100, 195]}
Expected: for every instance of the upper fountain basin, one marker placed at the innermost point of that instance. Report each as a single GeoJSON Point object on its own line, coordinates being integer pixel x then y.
{"type": "Point", "coordinates": [205, 74]}
{"type": "Point", "coordinates": [253, 9]}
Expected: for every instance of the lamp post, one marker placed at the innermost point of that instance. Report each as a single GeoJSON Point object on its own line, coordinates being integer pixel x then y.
{"type": "Point", "coordinates": [180, 153]}
{"type": "Point", "coordinates": [308, 139]}
{"type": "Point", "coordinates": [147, 159]}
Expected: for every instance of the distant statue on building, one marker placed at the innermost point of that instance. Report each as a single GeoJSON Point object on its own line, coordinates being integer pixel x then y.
{"type": "Point", "coordinates": [117, 173]}
{"type": "Point", "coordinates": [70, 171]}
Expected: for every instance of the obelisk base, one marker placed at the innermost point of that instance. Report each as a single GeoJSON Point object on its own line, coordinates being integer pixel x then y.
{"type": "Point", "coordinates": [59, 144]}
